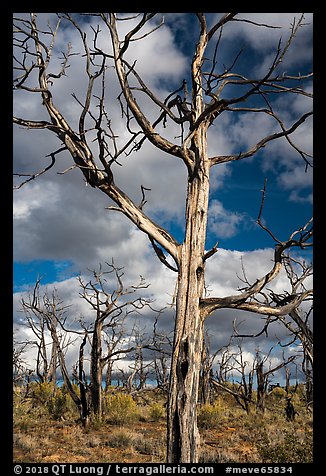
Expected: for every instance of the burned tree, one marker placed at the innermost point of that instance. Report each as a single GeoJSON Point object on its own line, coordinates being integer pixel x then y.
{"type": "Point", "coordinates": [21, 371]}
{"type": "Point", "coordinates": [289, 410]}
{"type": "Point", "coordinates": [262, 376]}
{"type": "Point", "coordinates": [298, 321]}
{"type": "Point", "coordinates": [233, 365]}
{"type": "Point", "coordinates": [162, 346]}
{"type": "Point", "coordinates": [95, 151]}
{"type": "Point", "coordinates": [42, 313]}
{"type": "Point", "coordinates": [46, 316]}
{"type": "Point", "coordinates": [111, 306]}
{"type": "Point", "coordinates": [206, 373]}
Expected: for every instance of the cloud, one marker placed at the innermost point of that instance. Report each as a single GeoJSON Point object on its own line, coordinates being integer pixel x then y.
{"type": "Point", "coordinates": [58, 218]}
{"type": "Point", "coordinates": [264, 39]}
{"type": "Point", "coordinates": [223, 223]}
{"type": "Point", "coordinates": [279, 157]}
{"type": "Point", "coordinates": [147, 167]}
{"type": "Point", "coordinates": [224, 274]}
{"type": "Point", "coordinates": [33, 197]}
{"type": "Point", "coordinates": [172, 63]}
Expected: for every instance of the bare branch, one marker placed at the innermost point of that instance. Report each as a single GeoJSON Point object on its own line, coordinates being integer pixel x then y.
{"type": "Point", "coordinates": [143, 122]}
{"type": "Point", "coordinates": [226, 18]}
{"type": "Point", "coordinates": [262, 143]}
{"type": "Point", "coordinates": [161, 256]}
{"type": "Point", "coordinates": [240, 301]}
{"type": "Point", "coordinates": [211, 252]}
{"type": "Point", "coordinates": [41, 172]}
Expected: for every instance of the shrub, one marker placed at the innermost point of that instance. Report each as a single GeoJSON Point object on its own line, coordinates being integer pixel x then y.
{"type": "Point", "coordinates": [65, 390]}
{"type": "Point", "coordinates": [121, 409]}
{"type": "Point", "coordinates": [210, 415]}
{"type": "Point", "coordinates": [60, 404]}
{"type": "Point", "coordinates": [42, 392]}
{"type": "Point", "coordinates": [120, 439]}
{"type": "Point", "coordinates": [291, 449]}
{"type": "Point", "coordinates": [156, 411]}
{"type": "Point", "coordinates": [26, 443]}
{"type": "Point", "coordinates": [150, 446]}
{"type": "Point", "coordinates": [279, 392]}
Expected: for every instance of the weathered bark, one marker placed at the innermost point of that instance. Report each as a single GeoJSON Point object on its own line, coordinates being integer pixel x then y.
{"type": "Point", "coordinates": [183, 439]}
{"type": "Point", "coordinates": [206, 373]}
{"type": "Point", "coordinates": [183, 436]}
{"type": "Point", "coordinates": [97, 368]}
{"type": "Point", "coordinates": [84, 407]}
{"type": "Point", "coordinates": [261, 387]}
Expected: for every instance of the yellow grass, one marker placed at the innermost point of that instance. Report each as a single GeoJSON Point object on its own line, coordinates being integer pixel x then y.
{"type": "Point", "coordinates": [228, 434]}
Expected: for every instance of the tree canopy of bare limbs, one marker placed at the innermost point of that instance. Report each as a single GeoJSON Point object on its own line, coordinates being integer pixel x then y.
{"type": "Point", "coordinates": [111, 308]}
{"type": "Point", "coordinates": [45, 315]}
{"type": "Point", "coordinates": [112, 304]}
{"type": "Point", "coordinates": [197, 104]}
{"type": "Point", "coordinates": [233, 366]}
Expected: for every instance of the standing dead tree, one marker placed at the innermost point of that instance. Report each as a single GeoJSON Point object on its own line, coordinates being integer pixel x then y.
{"type": "Point", "coordinates": [140, 368]}
{"type": "Point", "coordinates": [206, 371]}
{"type": "Point", "coordinates": [262, 375]}
{"type": "Point", "coordinates": [213, 92]}
{"type": "Point", "coordinates": [232, 363]}
{"type": "Point", "coordinates": [162, 343]}
{"type": "Point", "coordinates": [42, 313]}
{"type": "Point", "coordinates": [111, 306]}
{"type": "Point", "coordinates": [298, 320]}
{"type": "Point", "coordinates": [21, 370]}
{"type": "Point", "coordinates": [46, 315]}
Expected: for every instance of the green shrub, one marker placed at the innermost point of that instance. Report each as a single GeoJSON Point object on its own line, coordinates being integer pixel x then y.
{"type": "Point", "coordinates": [121, 409]}
{"type": "Point", "coordinates": [279, 392]}
{"type": "Point", "coordinates": [60, 404]}
{"type": "Point", "coordinates": [156, 411]}
{"type": "Point", "coordinates": [42, 392]}
{"type": "Point", "coordinates": [209, 416]}
{"type": "Point", "coordinates": [65, 390]}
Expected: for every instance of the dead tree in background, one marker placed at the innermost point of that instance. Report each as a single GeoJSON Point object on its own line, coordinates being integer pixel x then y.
{"type": "Point", "coordinates": [206, 373]}
{"type": "Point", "coordinates": [48, 313]}
{"type": "Point", "coordinates": [235, 375]}
{"type": "Point", "coordinates": [209, 98]}
{"type": "Point", "coordinates": [42, 314]}
{"type": "Point", "coordinates": [298, 320]}
{"type": "Point", "coordinates": [262, 376]}
{"type": "Point", "coordinates": [111, 304]}
{"type": "Point", "coordinates": [289, 410]}
{"type": "Point", "coordinates": [21, 372]}
{"type": "Point", "coordinates": [140, 368]}
{"type": "Point", "coordinates": [162, 343]}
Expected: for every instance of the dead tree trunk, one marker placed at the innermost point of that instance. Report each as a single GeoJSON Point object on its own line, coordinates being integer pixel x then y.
{"type": "Point", "coordinates": [205, 376]}
{"type": "Point", "coordinates": [110, 316]}
{"type": "Point", "coordinates": [183, 435]}
{"type": "Point", "coordinates": [262, 378]}
{"type": "Point", "coordinates": [108, 375]}
{"type": "Point", "coordinates": [84, 406]}
{"type": "Point", "coordinates": [261, 386]}
{"type": "Point", "coordinates": [97, 368]}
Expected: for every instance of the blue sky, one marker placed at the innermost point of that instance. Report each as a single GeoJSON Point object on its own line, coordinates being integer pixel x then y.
{"type": "Point", "coordinates": [62, 228]}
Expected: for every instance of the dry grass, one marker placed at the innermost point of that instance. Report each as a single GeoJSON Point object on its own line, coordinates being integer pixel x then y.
{"type": "Point", "coordinates": [228, 434]}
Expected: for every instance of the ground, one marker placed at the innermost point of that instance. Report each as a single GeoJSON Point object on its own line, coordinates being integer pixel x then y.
{"type": "Point", "coordinates": [133, 430]}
